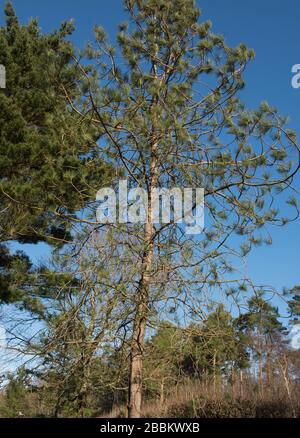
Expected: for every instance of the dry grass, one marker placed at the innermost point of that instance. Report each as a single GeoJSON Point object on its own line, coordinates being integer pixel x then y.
{"type": "Point", "coordinates": [203, 400]}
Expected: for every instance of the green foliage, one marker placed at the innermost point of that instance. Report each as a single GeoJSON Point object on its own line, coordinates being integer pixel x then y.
{"type": "Point", "coordinates": [163, 356]}
{"type": "Point", "coordinates": [262, 316]}
{"type": "Point", "coordinates": [217, 345]}
{"type": "Point", "coordinates": [17, 401]}
{"type": "Point", "coordinates": [48, 162]}
{"type": "Point", "coordinates": [13, 268]}
{"type": "Point", "coordinates": [49, 168]}
{"type": "Point", "coordinates": [170, 114]}
{"type": "Point", "coordinates": [294, 304]}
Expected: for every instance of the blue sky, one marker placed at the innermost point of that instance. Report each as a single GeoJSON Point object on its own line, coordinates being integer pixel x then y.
{"type": "Point", "coordinates": [272, 29]}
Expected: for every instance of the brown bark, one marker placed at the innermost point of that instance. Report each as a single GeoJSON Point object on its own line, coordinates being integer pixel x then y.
{"type": "Point", "coordinates": [135, 382]}
{"type": "Point", "coordinates": [241, 384]}
{"type": "Point", "coordinates": [138, 336]}
{"type": "Point", "coordinates": [214, 376]}
{"type": "Point", "coordinates": [162, 394]}
{"type": "Point", "coordinates": [261, 377]}
{"type": "Point", "coordinates": [142, 307]}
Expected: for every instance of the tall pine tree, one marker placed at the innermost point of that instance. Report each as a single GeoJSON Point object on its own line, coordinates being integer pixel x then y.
{"type": "Point", "coordinates": [172, 117]}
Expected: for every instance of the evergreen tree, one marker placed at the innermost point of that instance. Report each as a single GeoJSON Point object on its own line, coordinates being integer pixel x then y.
{"type": "Point", "coordinates": [17, 396]}
{"type": "Point", "coordinates": [217, 345]}
{"type": "Point", "coordinates": [49, 168]}
{"type": "Point", "coordinates": [170, 116]}
{"type": "Point", "coordinates": [173, 118]}
{"type": "Point", "coordinates": [262, 326]}
{"type": "Point", "coordinates": [164, 355]}
{"type": "Point", "coordinates": [294, 304]}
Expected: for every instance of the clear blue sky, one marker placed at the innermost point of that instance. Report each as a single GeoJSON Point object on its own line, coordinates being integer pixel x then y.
{"type": "Point", "coordinates": [272, 29]}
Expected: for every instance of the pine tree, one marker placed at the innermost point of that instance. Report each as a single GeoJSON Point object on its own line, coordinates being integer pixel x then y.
{"type": "Point", "coordinates": [294, 304]}
{"type": "Point", "coordinates": [49, 168]}
{"type": "Point", "coordinates": [262, 326]}
{"type": "Point", "coordinates": [172, 117]}
{"type": "Point", "coordinates": [216, 350]}
{"type": "Point", "coordinates": [164, 355]}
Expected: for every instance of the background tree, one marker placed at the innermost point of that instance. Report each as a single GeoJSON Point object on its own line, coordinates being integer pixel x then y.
{"type": "Point", "coordinates": [164, 355]}
{"type": "Point", "coordinates": [18, 402]}
{"type": "Point", "coordinates": [294, 304]}
{"type": "Point", "coordinates": [78, 316]}
{"type": "Point", "coordinates": [218, 348]}
{"type": "Point", "coordinates": [261, 324]}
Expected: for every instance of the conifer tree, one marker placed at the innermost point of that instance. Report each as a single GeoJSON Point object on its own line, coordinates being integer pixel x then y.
{"type": "Point", "coordinates": [262, 326]}
{"type": "Point", "coordinates": [294, 304]}
{"type": "Point", "coordinates": [172, 117]}
{"type": "Point", "coordinates": [49, 169]}
{"type": "Point", "coordinates": [218, 345]}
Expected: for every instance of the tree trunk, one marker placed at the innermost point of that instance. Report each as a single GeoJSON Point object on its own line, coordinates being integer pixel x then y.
{"type": "Point", "coordinates": [214, 376]}
{"type": "Point", "coordinates": [138, 336]}
{"type": "Point", "coordinates": [142, 307]}
{"type": "Point", "coordinates": [241, 385]}
{"type": "Point", "coordinates": [261, 377]}
{"type": "Point", "coordinates": [162, 394]}
{"type": "Point", "coordinates": [233, 382]}
{"type": "Point", "coordinates": [136, 365]}
{"type": "Point", "coordinates": [268, 372]}
{"type": "Point", "coordinates": [285, 374]}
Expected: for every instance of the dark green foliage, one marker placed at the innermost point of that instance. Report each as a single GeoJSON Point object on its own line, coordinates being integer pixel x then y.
{"type": "Point", "coordinates": [49, 168]}
{"type": "Point", "coordinates": [261, 319]}
{"type": "Point", "coordinates": [217, 346]}
{"type": "Point", "coordinates": [294, 304]}
{"type": "Point", "coordinates": [48, 162]}
{"type": "Point", "coordinates": [170, 115]}
{"type": "Point", "coordinates": [231, 409]}
{"type": "Point", "coordinates": [17, 396]}
{"type": "Point", "coordinates": [214, 347]}
{"type": "Point", "coordinates": [12, 268]}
